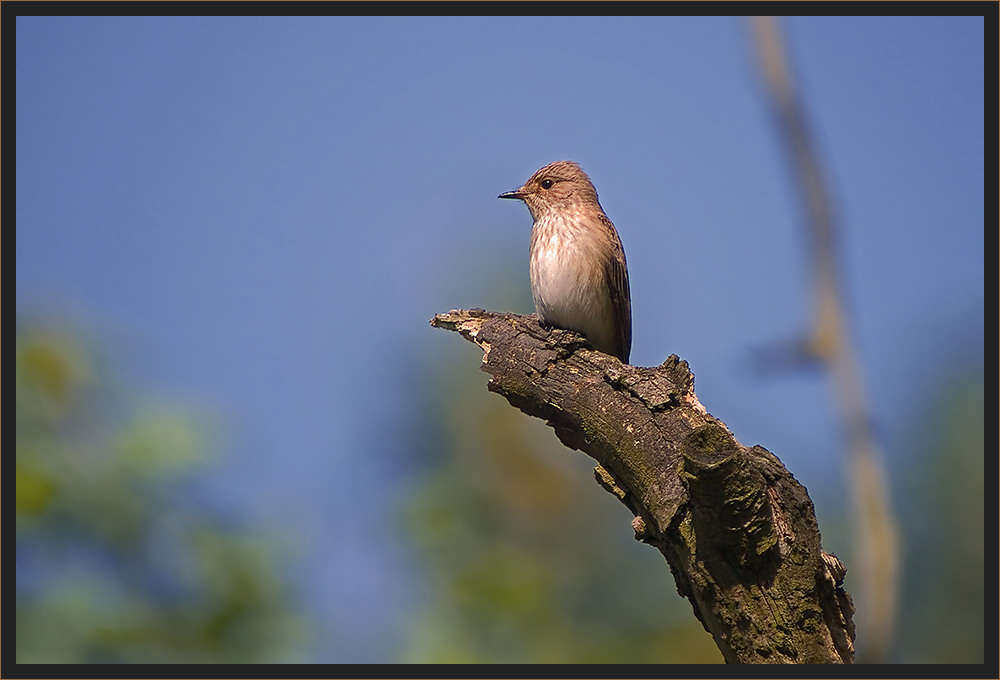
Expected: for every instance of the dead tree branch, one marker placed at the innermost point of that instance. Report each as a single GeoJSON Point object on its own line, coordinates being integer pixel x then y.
{"type": "Point", "coordinates": [738, 531]}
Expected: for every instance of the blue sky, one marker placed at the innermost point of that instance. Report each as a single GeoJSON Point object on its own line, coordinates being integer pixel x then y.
{"type": "Point", "coordinates": [265, 212]}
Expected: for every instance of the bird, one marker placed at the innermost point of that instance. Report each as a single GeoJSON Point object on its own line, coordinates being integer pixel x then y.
{"type": "Point", "coordinates": [579, 278]}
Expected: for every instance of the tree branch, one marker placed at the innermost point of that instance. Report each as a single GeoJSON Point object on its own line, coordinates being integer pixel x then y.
{"type": "Point", "coordinates": [738, 531]}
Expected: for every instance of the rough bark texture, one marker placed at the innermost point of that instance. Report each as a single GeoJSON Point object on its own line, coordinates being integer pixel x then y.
{"type": "Point", "coordinates": [738, 531]}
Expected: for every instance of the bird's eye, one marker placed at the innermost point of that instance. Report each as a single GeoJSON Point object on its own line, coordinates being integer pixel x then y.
{"type": "Point", "coordinates": [547, 183]}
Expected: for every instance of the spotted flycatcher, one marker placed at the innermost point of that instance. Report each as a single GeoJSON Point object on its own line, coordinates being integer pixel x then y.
{"type": "Point", "coordinates": [577, 264]}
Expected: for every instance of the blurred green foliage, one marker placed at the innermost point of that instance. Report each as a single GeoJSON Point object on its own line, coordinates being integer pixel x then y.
{"type": "Point", "coordinates": [943, 498]}
{"type": "Point", "coordinates": [116, 560]}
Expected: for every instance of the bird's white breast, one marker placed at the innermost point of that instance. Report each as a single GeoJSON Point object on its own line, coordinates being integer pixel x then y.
{"type": "Point", "coordinates": [568, 281]}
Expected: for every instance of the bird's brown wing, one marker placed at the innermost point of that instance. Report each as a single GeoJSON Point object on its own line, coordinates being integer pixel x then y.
{"type": "Point", "coordinates": [621, 301]}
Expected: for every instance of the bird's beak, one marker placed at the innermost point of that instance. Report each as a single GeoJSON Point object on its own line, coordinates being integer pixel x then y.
{"type": "Point", "coordinates": [517, 193]}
